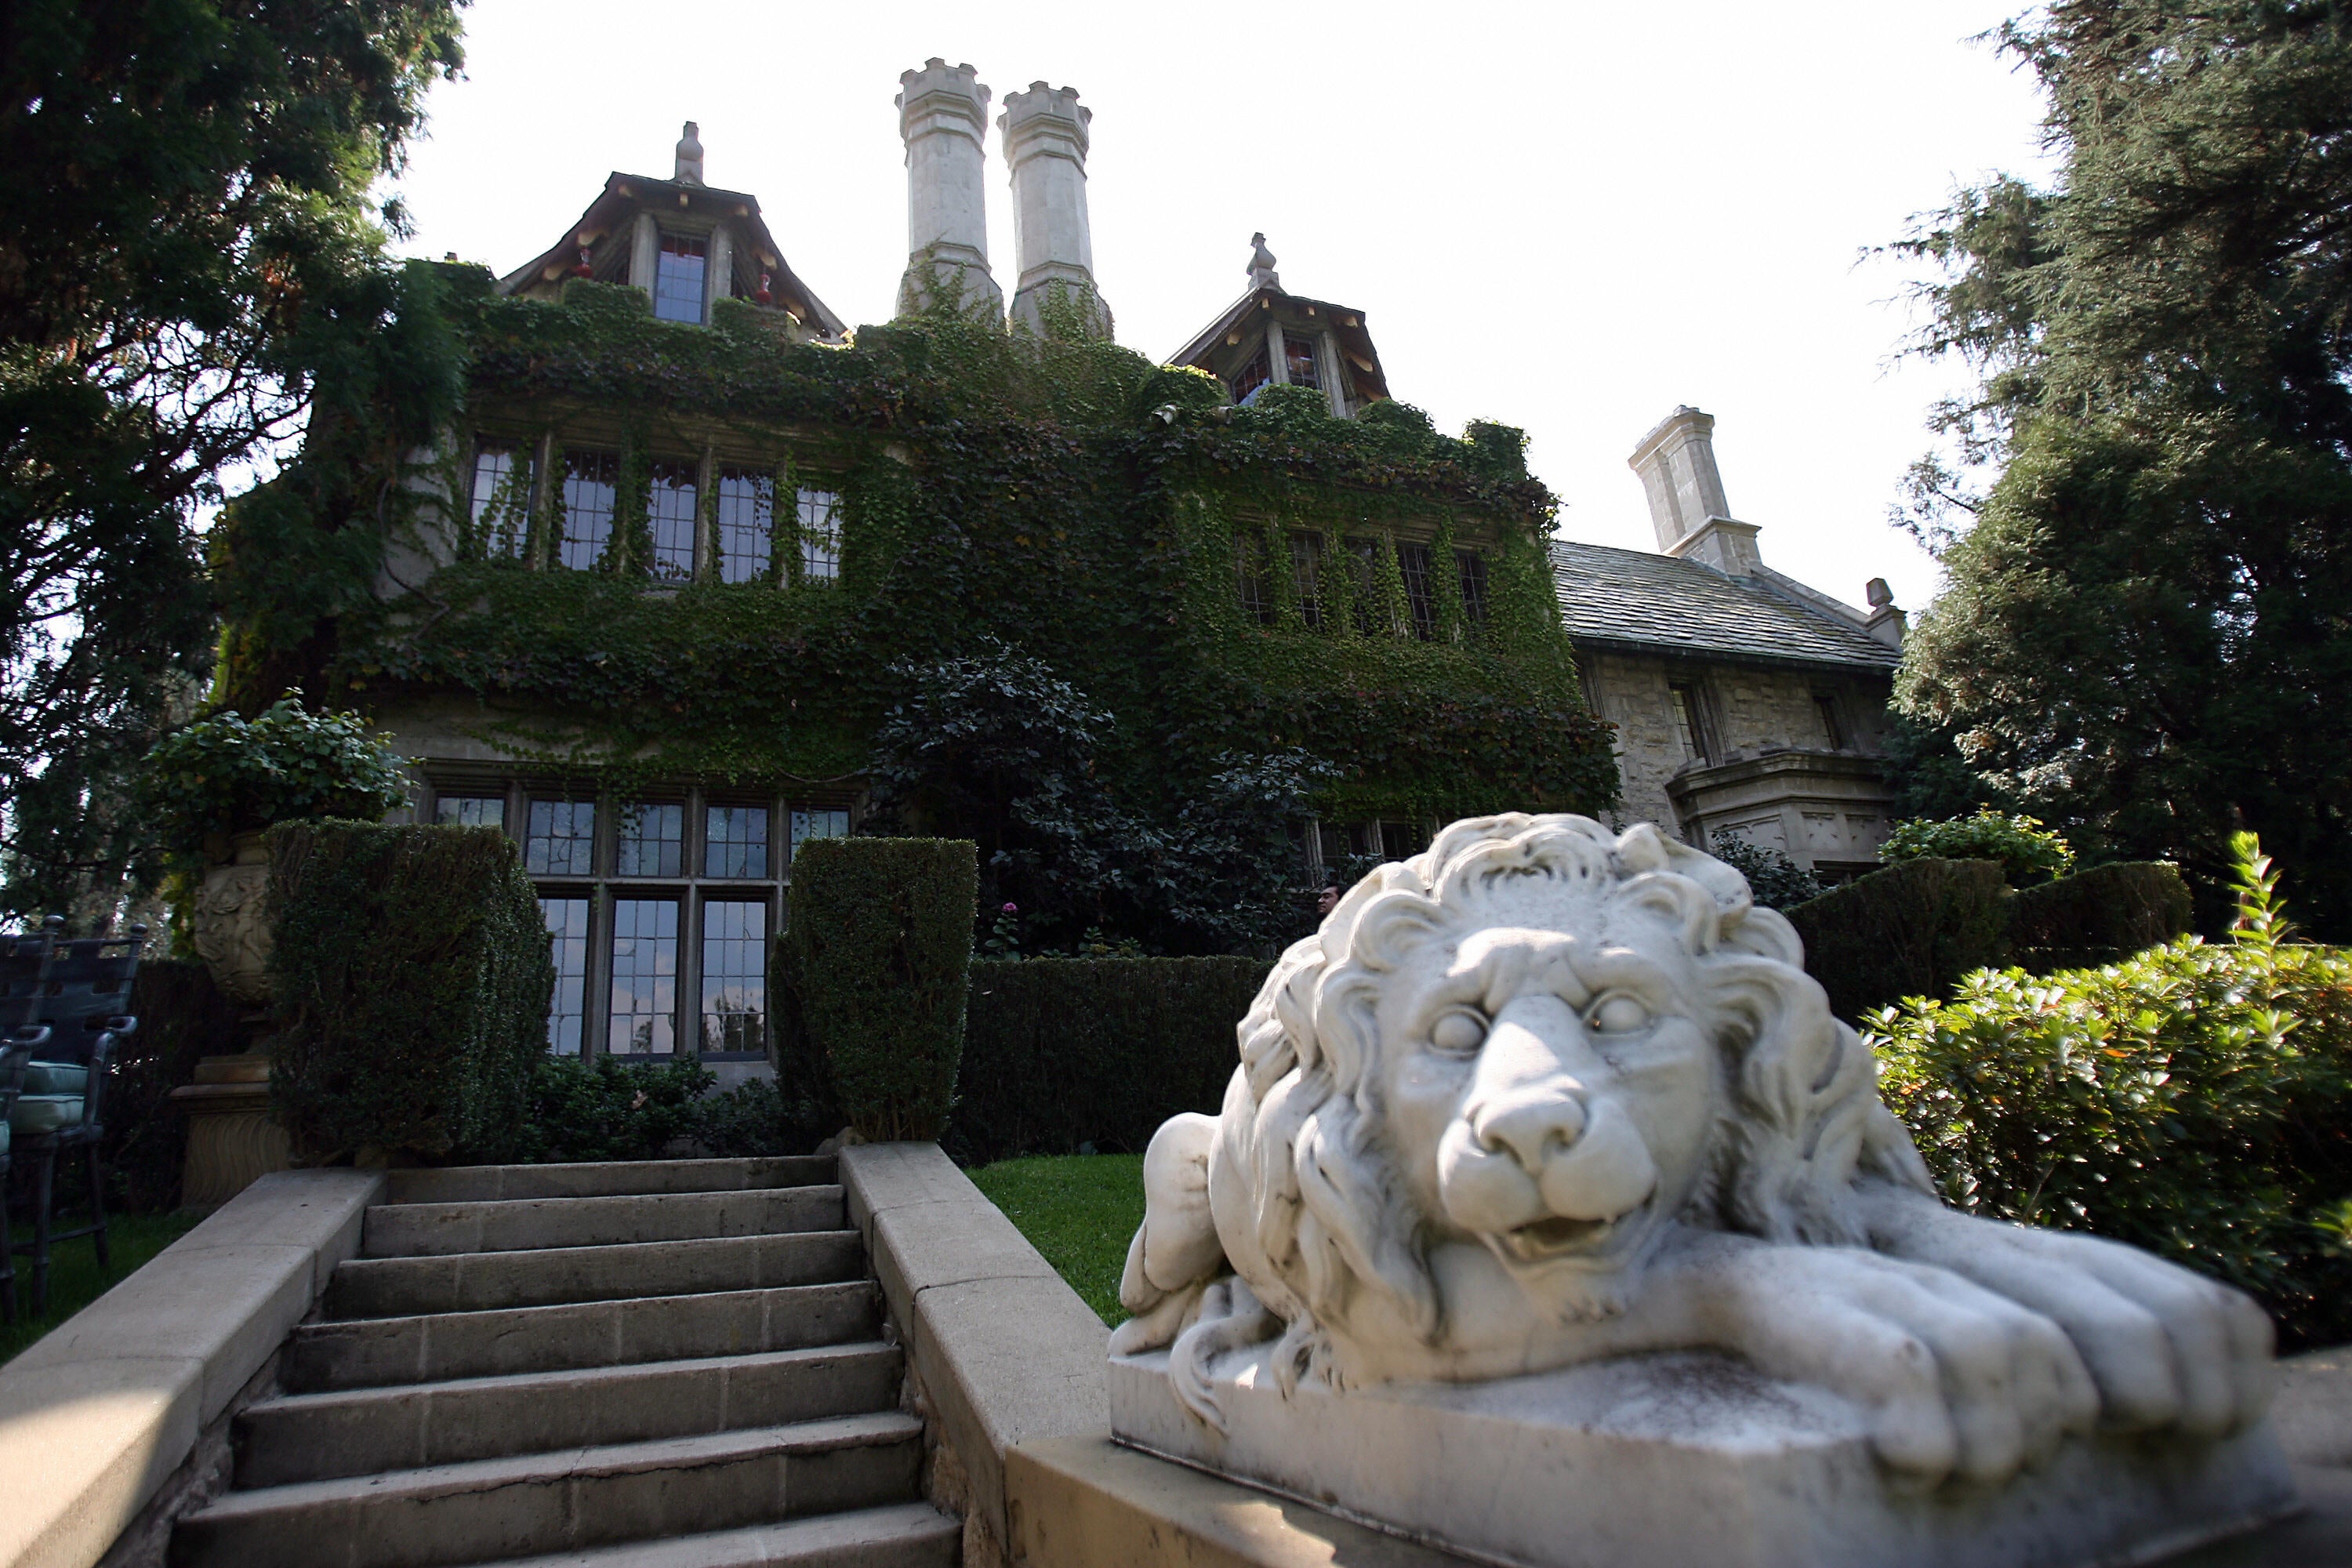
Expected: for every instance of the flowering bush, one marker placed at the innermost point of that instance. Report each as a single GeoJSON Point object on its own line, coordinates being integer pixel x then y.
{"type": "Point", "coordinates": [229, 775]}
{"type": "Point", "coordinates": [2188, 1099]}
{"type": "Point", "coordinates": [2028, 852]}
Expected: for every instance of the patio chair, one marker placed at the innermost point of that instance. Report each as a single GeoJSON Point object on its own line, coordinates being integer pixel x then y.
{"type": "Point", "coordinates": [82, 1000]}
{"type": "Point", "coordinates": [24, 963]}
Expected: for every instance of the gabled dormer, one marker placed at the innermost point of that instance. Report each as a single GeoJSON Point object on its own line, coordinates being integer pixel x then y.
{"type": "Point", "coordinates": [1270, 337]}
{"type": "Point", "coordinates": [686, 244]}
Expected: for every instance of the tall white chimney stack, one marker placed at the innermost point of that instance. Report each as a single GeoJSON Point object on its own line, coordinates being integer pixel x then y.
{"type": "Point", "coordinates": [1676, 462]}
{"type": "Point", "coordinates": [1046, 144]}
{"type": "Point", "coordinates": [943, 120]}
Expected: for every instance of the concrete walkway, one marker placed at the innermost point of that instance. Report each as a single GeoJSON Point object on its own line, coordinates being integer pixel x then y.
{"type": "Point", "coordinates": [673, 1364]}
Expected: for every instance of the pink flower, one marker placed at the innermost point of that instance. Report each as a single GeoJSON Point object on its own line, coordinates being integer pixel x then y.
{"type": "Point", "coordinates": [1013, 909]}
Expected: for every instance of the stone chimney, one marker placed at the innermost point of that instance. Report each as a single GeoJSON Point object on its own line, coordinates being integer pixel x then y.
{"type": "Point", "coordinates": [1046, 144]}
{"type": "Point", "coordinates": [1676, 462]}
{"type": "Point", "coordinates": [689, 156]}
{"type": "Point", "coordinates": [943, 120]}
{"type": "Point", "coordinates": [1886, 623]}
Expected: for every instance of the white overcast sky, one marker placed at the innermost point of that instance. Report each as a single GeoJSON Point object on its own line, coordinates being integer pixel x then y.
{"type": "Point", "coordinates": [1566, 216]}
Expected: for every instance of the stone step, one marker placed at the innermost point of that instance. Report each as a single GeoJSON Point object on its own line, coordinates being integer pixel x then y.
{"type": "Point", "coordinates": [483, 1281]}
{"type": "Point", "coordinates": [435, 1230]}
{"type": "Point", "coordinates": [368, 1352]}
{"type": "Point", "coordinates": [905, 1535]}
{"type": "Point", "coordinates": [476, 1183]}
{"type": "Point", "coordinates": [317, 1437]}
{"type": "Point", "coordinates": [561, 1501]}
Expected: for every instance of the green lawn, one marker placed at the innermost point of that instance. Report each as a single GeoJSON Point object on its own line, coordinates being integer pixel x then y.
{"type": "Point", "coordinates": [74, 1277]}
{"type": "Point", "coordinates": [1079, 1210]}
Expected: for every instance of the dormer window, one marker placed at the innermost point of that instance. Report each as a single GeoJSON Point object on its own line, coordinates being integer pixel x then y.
{"type": "Point", "coordinates": [1298, 359]}
{"type": "Point", "coordinates": [678, 278]}
{"type": "Point", "coordinates": [1252, 376]}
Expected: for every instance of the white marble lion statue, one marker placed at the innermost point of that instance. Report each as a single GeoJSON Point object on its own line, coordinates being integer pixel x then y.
{"type": "Point", "coordinates": [1547, 1093]}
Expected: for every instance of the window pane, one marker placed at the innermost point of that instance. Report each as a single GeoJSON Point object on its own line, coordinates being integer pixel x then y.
{"type": "Point", "coordinates": [677, 279]}
{"type": "Point", "coordinates": [471, 810]}
{"type": "Point", "coordinates": [1252, 376]}
{"type": "Point", "coordinates": [567, 1016]}
{"type": "Point", "coordinates": [1307, 574]}
{"type": "Point", "coordinates": [820, 535]}
{"type": "Point", "coordinates": [747, 524]}
{"type": "Point", "coordinates": [669, 517]}
{"type": "Point", "coordinates": [501, 500]}
{"type": "Point", "coordinates": [645, 977]}
{"type": "Point", "coordinates": [1472, 568]}
{"type": "Point", "coordinates": [1298, 359]}
{"type": "Point", "coordinates": [563, 839]}
{"type": "Point", "coordinates": [1249, 568]}
{"type": "Point", "coordinates": [591, 485]}
{"type": "Point", "coordinates": [735, 841]}
{"type": "Point", "coordinates": [652, 841]}
{"type": "Point", "coordinates": [734, 976]}
{"type": "Point", "coordinates": [1687, 729]}
{"type": "Point", "coordinates": [808, 824]}
{"type": "Point", "coordinates": [1412, 565]}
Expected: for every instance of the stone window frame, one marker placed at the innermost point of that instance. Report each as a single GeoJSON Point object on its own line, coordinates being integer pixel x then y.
{"type": "Point", "coordinates": [1832, 714]}
{"type": "Point", "coordinates": [1687, 711]}
{"type": "Point", "coordinates": [601, 884]}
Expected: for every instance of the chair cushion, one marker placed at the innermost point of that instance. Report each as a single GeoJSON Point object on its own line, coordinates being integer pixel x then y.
{"type": "Point", "coordinates": [45, 1112]}
{"type": "Point", "coordinates": [56, 1078]}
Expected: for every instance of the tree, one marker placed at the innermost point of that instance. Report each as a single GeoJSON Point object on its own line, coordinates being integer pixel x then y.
{"type": "Point", "coordinates": [2147, 627]}
{"type": "Point", "coordinates": [186, 239]}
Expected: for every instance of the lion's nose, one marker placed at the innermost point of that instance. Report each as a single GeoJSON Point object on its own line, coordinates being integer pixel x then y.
{"type": "Point", "coordinates": [1531, 1127]}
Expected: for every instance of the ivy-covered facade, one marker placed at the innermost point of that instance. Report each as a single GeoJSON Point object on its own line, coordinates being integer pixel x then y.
{"type": "Point", "coordinates": [645, 591]}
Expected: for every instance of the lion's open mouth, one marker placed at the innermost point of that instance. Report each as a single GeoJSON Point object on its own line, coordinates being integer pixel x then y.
{"type": "Point", "coordinates": [1554, 1236]}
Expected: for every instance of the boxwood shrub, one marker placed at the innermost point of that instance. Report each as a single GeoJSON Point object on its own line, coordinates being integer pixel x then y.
{"type": "Point", "coordinates": [1911, 930]}
{"type": "Point", "coordinates": [873, 964]}
{"type": "Point", "coordinates": [1061, 1053]}
{"type": "Point", "coordinates": [411, 972]}
{"type": "Point", "coordinates": [2188, 1099]}
{"type": "Point", "coordinates": [2097, 916]}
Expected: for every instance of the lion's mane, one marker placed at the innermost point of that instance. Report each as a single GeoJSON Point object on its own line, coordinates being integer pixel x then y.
{"type": "Point", "coordinates": [1328, 1236]}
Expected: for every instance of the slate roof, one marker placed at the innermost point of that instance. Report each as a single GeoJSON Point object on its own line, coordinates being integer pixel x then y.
{"type": "Point", "coordinates": [1634, 600]}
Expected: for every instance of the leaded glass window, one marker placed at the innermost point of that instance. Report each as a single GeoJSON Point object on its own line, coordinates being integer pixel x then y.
{"type": "Point", "coordinates": [677, 279]}
{"type": "Point", "coordinates": [747, 524]}
{"type": "Point", "coordinates": [818, 823]}
{"type": "Point", "coordinates": [561, 840]}
{"type": "Point", "coordinates": [591, 486]}
{"type": "Point", "coordinates": [1688, 729]}
{"type": "Point", "coordinates": [734, 975]}
{"type": "Point", "coordinates": [501, 500]}
{"type": "Point", "coordinates": [820, 517]}
{"type": "Point", "coordinates": [567, 1014]}
{"type": "Point", "coordinates": [1306, 575]}
{"type": "Point", "coordinates": [470, 810]}
{"type": "Point", "coordinates": [1298, 359]}
{"type": "Point", "coordinates": [1249, 568]}
{"type": "Point", "coordinates": [651, 840]}
{"type": "Point", "coordinates": [643, 1016]}
{"type": "Point", "coordinates": [1251, 376]}
{"type": "Point", "coordinates": [1472, 566]}
{"type": "Point", "coordinates": [1420, 601]}
{"type": "Point", "coordinates": [670, 519]}
{"type": "Point", "coordinates": [735, 841]}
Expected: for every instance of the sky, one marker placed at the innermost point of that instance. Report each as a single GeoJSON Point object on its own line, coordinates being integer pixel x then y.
{"type": "Point", "coordinates": [1569, 218]}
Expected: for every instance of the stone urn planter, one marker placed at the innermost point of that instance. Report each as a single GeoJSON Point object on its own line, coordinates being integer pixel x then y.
{"type": "Point", "coordinates": [232, 930]}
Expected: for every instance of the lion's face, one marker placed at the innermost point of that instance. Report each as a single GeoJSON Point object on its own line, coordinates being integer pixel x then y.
{"type": "Point", "coordinates": [1548, 1091]}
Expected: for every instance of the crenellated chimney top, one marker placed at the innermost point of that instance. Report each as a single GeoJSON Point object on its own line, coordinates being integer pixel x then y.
{"type": "Point", "coordinates": [1676, 462]}
{"type": "Point", "coordinates": [943, 120]}
{"type": "Point", "coordinates": [1045, 142]}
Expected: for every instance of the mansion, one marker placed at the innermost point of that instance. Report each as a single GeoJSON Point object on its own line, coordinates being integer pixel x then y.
{"type": "Point", "coordinates": [759, 537]}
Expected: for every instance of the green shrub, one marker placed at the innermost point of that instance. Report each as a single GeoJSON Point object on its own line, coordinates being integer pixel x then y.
{"type": "Point", "coordinates": [1911, 930]}
{"type": "Point", "coordinates": [757, 1118]}
{"type": "Point", "coordinates": [874, 961]}
{"type": "Point", "coordinates": [2189, 1100]}
{"type": "Point", "coordinates": [2097, 916]}
{"type": "Point", "coordinates": [227, 774]}
{"type": "Point", "coordinates": [1069, 1054]}
{"type": "Point", "coordinates": [412, 976]}
{"type": "Point", "coordinates": [1776, 881]}
{"type": "Point", "coordinates": [2028, 852]}
{"type": "Point", "coordinates": [600, 1108]}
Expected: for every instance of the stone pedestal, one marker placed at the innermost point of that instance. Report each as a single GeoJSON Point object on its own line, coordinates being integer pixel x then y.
{"type": "Point", "coordinates": [232, 1142]}
{"type": "Point", "coordinates": [1685, 1459]}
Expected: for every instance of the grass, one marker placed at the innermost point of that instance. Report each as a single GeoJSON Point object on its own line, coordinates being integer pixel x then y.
{"type": "Point", "coordinates": [75, 1280]}
{"type": "Point", "coordinates": [1079, 1210]}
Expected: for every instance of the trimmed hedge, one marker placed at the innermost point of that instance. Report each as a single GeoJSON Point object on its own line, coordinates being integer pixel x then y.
{"type": "Point", "coordinates": [412, 976]}
{"type": "Point", "coordinates": [1911, 930]}
{"type": "Point", "coordinates": [181, 1017]}
{"type": "Point", "coordinates": [1064, 1052]}
{"type": "Point", "coordinates": [2098, 916]}
{"type": "Point", "coordinates": [873, 966]}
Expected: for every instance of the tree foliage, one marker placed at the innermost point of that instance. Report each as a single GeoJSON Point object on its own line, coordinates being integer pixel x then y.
{"type": "Point", "coordinates": [2149, 624]}
{"type": "Point", "coordinates": [186, 243]}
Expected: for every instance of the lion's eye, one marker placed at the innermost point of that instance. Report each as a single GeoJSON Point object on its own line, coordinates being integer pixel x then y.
{"type": "Point", "coordinates": [1619, 1016]}
{"type": "Point", "coordinates": [1459, 1031]}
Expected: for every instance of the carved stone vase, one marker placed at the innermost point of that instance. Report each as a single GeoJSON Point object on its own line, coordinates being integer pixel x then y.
{"type": "Point", "coordinates": [232, 931]}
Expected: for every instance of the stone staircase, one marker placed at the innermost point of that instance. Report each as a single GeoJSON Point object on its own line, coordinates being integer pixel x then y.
{"type": "Point", "coordinates": [672, 1365]}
